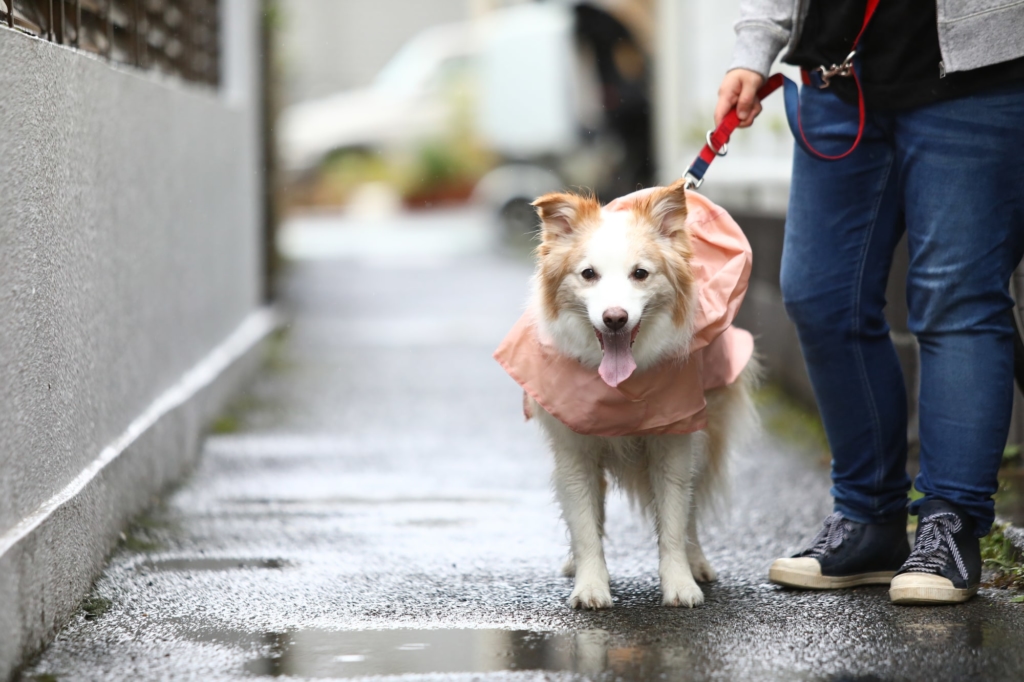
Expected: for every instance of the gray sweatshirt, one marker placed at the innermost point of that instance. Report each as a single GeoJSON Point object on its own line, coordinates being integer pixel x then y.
{"type": "Point", "coordinates": [972, 33]}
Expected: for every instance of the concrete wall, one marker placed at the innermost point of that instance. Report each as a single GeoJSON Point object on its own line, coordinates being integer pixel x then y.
{"type": "Point", "coordinates": [129, 294]}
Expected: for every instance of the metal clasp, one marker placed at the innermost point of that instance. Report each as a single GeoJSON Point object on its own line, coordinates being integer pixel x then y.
{"type": "Point", "coordinates": [692, 182]}
{"type": "Point", "coordinates": [844, 69]}
{"type": "Point", "coordinates": [722, 151]}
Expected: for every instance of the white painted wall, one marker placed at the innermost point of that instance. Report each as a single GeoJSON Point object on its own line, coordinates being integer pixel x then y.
{"type": "Point", "coordinates": [129, 250]}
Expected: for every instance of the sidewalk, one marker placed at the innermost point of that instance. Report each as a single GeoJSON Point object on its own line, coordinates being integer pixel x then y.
{"type": "Point", "coordinates": [381, 508]}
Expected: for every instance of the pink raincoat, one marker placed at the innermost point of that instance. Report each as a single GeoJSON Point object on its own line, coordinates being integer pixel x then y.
{"type": "Point", "coordinates": [668, 398]}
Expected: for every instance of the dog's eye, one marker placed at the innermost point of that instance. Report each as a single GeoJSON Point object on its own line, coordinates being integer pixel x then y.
{"type": "Point", "coordinates": [640, 273]}
{"type": "Point", "coordinates": [588, 274]}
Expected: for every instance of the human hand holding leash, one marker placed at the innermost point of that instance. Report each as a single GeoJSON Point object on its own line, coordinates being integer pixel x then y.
{"type": "Point", "coordinates": [739, 89]}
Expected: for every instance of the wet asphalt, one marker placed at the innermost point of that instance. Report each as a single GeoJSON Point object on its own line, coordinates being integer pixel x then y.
{"type": "Point", "coordinates": [375, 505]}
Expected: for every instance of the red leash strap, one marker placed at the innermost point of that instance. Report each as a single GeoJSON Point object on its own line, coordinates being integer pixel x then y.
{"type": "Point", "coordinates": [861, 117]}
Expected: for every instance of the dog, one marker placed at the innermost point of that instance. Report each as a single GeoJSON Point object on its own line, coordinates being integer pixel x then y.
{"type": "Point", "coordinates": [631, 366]}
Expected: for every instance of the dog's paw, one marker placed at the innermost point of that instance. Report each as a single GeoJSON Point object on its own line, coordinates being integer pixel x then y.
{"type": "Point", "coordinates": [702, 571]}
{"type": "Point", "coordinates": [681, 593]}
{"type": "Point", "coordinates": [591, 595]}
{"type": "Point", "coordinates": [569, 567]}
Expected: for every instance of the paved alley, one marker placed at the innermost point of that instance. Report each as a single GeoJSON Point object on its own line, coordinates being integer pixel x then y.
{"type": "Point", "coordinates": [375, 505]}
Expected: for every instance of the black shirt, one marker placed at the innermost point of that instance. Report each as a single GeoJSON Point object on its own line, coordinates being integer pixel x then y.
{"type": "Point", "coordinates": [901, 64]}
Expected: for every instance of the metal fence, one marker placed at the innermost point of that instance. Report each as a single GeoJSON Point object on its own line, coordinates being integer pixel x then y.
{"type": "Point", "coordinates": [176, 37]}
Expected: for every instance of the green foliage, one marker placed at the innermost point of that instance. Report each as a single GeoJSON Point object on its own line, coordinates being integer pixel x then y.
{"type": "Point", "coordinates": [45, 677]}
{"type": "Point", "coordinates": [135, 543]}
{"type": "Point", "coordinates": [790, 420]}
{"type": "Point", "coordinates": [142, 533]}
{"type": "Point", "coordinates": [276, 358]}
{"type": "Point", "coordinates": [274, 16]}
{"type": "Point", "coordinates": [223, 424]}
{"type": "Point", "coordinates": [999, 554]}
{"type": "Point", "coordinates": [233, 418]}
{"type": "Point", "coordinates": [95, 607]}
{"type": "Point", "coordinates": [914, 494]}
{"type": "Point", "coordinates": [438, 162]}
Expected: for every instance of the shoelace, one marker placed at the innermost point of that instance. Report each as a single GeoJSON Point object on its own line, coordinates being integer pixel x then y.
{"type": "Point", "coordinates": [935, 545]}
{"type": "Point", "coordinates": [831, 535]}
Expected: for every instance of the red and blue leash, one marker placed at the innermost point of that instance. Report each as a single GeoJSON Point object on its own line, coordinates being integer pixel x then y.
{"type": "Point", "coordinates": [717, 140]}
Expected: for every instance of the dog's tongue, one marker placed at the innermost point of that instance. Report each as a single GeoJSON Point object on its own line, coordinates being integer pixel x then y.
{"type": "Point", "coordinates": [617, 363]}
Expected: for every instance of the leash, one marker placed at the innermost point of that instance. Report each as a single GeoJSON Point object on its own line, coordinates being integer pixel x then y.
{"type": "Point", "coordinates": [717, 139]}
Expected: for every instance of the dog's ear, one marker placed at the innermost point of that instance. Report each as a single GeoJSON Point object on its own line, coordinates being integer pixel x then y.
{"type": "Point", "coordinates": [561, 213]}
{"type": "Point", "coordinates": [665, 207]}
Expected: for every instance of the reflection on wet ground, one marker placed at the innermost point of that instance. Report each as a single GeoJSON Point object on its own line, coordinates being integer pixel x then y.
{"type": "Point", "coordinates": [326, 654]}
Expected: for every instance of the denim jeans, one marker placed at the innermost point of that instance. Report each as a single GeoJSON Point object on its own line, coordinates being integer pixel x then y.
{"type": "Point", "coordinates": [950, 175]}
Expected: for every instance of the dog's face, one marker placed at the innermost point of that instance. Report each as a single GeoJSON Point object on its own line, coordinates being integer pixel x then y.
{"type": "Point", "coordinates": [619, 277]}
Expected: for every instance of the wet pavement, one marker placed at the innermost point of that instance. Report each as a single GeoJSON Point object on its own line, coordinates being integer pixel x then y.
{"type": "Point", "coordinates": [375, 505]}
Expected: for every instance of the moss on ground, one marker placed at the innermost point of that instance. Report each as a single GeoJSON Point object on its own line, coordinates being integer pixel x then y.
{"type": "Point", "coordinates": [1000, 556]}
{"type": "Point", "coordinates": [95, 606]}
{"type": "Point", "coordinates": [234, 416]}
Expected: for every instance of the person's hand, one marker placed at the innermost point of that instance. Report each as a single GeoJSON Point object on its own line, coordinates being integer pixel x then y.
{"type": "Point", "coordinates": [625, 203]}
{"type": "Point", "coordinates": [739, 88]}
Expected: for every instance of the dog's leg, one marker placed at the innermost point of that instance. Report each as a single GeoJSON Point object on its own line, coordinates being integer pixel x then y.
{"type": "Point", "coordinates": [699, 566]}
{"type": "Point", "coordinates": [579, 483]}
{"type": "Point", "coordinates": [569, 567]}
{"type": "Point", "coordinates": [671, 474]}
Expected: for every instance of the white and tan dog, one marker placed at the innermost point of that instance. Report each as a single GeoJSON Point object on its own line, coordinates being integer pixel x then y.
{"type": "Point", "coordinates": [622, 316]}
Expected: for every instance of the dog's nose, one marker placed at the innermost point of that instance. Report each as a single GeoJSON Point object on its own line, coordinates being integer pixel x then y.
{"type": "Point", "coordinates": [615, 318]}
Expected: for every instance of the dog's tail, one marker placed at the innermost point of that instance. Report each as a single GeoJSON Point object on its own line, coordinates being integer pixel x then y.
{"type": "Point", "coordinates": [733, 423]}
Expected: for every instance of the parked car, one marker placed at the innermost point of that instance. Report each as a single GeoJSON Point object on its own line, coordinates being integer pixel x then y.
{"type": "Point", "coordinates": [552, 99]}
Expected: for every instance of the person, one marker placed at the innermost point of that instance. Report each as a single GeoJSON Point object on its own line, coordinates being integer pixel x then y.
{"type": "Point", "coordinates": [941, 158]}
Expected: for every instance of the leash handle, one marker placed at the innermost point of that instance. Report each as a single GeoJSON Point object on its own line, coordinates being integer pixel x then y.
{"type": "Point", "coordinates": [717, 139]}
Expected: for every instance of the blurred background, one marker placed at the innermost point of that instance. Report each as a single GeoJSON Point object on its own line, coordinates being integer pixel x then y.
{"type": "Point", "coordinates": [427, 128]}
{"type": "Point", "coordinates": [394, 105]}
{"type": "Point", "coordinates": [419, 129]}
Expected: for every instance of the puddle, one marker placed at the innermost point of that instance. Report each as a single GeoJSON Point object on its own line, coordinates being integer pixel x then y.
{"type": "Point", "coordinates": [212, 564]}
{"type": "Point", "coordinates": [327, 654]}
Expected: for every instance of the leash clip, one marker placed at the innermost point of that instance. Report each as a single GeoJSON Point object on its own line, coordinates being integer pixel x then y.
{"type": "Point", "coordinates": [691, 181]}
{"type": "Point", "coordinates": [844, 69]}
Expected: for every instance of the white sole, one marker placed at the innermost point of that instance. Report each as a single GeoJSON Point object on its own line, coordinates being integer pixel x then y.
{"type": "Point", "coordinates": [925, 589]}
{"type": "Point", "coordinates": [811, 581]}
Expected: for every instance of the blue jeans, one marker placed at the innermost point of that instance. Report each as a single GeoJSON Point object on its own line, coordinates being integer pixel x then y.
{"type": "Point", "coordinates": [950, 175]}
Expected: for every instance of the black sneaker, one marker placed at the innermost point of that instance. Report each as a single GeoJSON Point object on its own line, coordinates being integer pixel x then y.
{"type": "Point", "coordinates": [846, 554]}
{"type": "Point", "coordinates": [945, 566]}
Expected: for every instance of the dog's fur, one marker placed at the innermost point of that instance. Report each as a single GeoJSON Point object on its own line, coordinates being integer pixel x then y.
{"type": "Point", "coordinates": [672, 477]}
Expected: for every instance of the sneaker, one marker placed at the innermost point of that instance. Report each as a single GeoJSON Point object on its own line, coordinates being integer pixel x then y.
{"type": "Point", "coordinates": [945, 566]}
{"type": "Point", "coordinates": [846, 554]}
